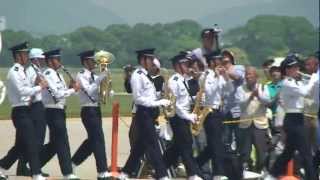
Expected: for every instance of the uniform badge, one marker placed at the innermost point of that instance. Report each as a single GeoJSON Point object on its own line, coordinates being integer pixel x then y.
{"type": "Point", "coordinates": [47, 73]}
{"type": "Point", "coordinates": [139, 72]}
{"type": "Point", "coordinates": [175, 78]}
{"type": "Point", "coordinates": [16, 68]}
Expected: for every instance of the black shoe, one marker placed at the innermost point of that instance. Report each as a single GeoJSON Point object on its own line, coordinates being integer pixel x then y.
{"type": "Point", "coordinates": [105, 178]}
{"type": "Point", "coordinates": [44, 174]}
{"type": "Point", "coordinates": [3, 177]}
{"type": "Point", "coordinates": [23, 170]}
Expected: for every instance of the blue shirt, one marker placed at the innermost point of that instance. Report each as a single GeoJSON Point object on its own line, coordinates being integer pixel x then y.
{"type": "Point", "coordinates": [231, 99]}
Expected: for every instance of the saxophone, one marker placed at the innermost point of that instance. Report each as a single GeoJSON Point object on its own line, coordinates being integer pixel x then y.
{"type": "Point", "coordinates": [103, 59]}
{"type": "Point", "coordinates": [170, 110]}
{"type": "Point", "coordinates": [201, 112]}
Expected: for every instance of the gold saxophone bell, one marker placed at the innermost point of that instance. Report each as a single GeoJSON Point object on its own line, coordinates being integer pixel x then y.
{"type": "Point", "coordinates": [201, 112]}
{"type": "Point", "coordinates": [103, 59]}
{"type": "Point", "coordinates": [170, 110]}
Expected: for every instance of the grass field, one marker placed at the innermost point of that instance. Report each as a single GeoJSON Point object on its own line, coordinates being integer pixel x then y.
{"type": "Point", "coordinates": [73, 107]}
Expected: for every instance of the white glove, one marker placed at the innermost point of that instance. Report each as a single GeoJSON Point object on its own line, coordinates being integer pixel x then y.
{"type": "Point", "coordinates": [192, 118]}
{"type": "Point", "coordinates": [111, 93]}
{"type": "Point", "coordinates": [163, 102]}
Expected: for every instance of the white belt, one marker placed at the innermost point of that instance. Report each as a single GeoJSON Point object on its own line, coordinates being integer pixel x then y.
{"type": "Point", "coordinates": [215, 106]}
{"type": "Point", "coordinates": [90, 105]}
{"type": "Point", "coordinates": [20, 104]}
{"type": "Point", "coordinates": [55, 106]}
{"type": "Point", "coordinates": [294, 110]}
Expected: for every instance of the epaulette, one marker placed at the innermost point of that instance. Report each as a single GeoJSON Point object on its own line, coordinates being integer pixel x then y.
{"type": "Point", "coordinates": [176, 78]}
{"type": "Point", "coordinates": [139, 72]}
{"type": "Point", "coordinates": [82, 71]}
{"type": "Point", "coordinates": [16, 68]}
{"type": "Point", "coordinates": [289, 79]}
{"type": "Point", "coordinates": [47, 73]}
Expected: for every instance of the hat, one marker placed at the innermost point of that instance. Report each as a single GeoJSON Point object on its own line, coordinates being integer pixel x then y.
{"type": "Point", "coordinates": [36, 53]}
{"type": "Point", "coordinates": [277, 62]}
{"type": "Point", "coordinates": [188, 54]}
{"type": "Point", "coordinates": [213, 56]}
{"type": "Point", "coordinates": [146, 52]}
{"type": "Point", "coordinates": [289, 61]}
{"type": "Point", "coordinates": [228, 53]}
{"type": "Point", "coordinates": [210, 31]}
{"type": "Point", "coordinates": [89, 54]}
{"type": "Point", "coordinates": [128, 67]}
{"type": "Point", "coordinates": [180, 58]}
{"type": "Point", "coordinates": [206, 32]}
{"type": "Point", "coordinates": [156, 62]}
{"type": "Point", "coordinates": [52, 53]}
{"type": "Point", "coordinates": [23, 47]}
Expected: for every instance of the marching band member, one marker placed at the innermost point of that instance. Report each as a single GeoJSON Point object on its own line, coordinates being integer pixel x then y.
{"type": "Point", "coordinates": [56, 114]}
{"type": "Point", "coordinates": [180, 123]}
{"type": "Point", "coordinates": [209, 37]}
{"type": "Point", "coordinates": [209, 44]}
{"type": "Point", "coordinates": [145, 100]}
{"type": "Point", "coordinates": [292, 99]}
{"type": "Point", "coordinates": [33, 72]}
{"type": "Point", "coordinates": [20, 92]}
{"type": "Point", "coordinates": [216, 83]}
{"type": "Point", "coordinates": [91, 116]}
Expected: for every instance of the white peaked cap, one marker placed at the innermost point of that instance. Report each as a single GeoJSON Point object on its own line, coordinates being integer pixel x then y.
{"type": "Point", "coordinates": [277, 61]}
{"type": "Point", "coordinates": [156, 62]}
{"type": "Point", "coordinates": [36, 53]}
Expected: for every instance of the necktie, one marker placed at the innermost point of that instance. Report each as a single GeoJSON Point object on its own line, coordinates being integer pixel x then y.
{"type": "Point", "coordinates": [59, 76]}
{"type": "Point", "coordinates": [92, 76]}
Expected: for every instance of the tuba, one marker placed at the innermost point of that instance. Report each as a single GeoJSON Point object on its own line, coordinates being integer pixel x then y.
{"type": "Point", "coordinates": [200, 111]}
{"type": "Point", "coordinates": [170, 110]}
{"type": "Point", "coordinates": [103, 59]}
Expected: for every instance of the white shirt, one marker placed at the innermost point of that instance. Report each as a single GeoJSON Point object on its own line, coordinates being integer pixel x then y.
{"type": "Point", "coordinates": [292, 94]}
{"type": "Point", "coordinates": [215, 86]}
{"type": "Point", "coordinates": [183, 99]}
{"type": "Point", "coordinates": [32, 75]}
{"type": "Point", "coordinates": [143, 90]}
{"type": "Point", "coordinates": [91, 86]}
{"type": "Point", "coordinates": [20, 89]}
{"type": "Point", "coordinates": [59, 89]}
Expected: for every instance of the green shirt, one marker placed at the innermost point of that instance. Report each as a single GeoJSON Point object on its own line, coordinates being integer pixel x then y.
{"type": "Point", "coordinates": [273, 90]}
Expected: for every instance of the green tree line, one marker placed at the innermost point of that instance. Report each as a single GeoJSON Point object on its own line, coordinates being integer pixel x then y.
{"type": "Point", "coordinates": [259, 38]}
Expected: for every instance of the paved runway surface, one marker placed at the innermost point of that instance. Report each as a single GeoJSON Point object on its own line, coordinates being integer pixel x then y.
{"type": "Point", "coordinates": [77, 134]}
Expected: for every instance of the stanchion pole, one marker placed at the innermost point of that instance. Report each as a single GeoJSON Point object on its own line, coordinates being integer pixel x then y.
{"type": "Point", "coordinates": [290, 172]}
{"type": "Point", "coordinates": [114, 144]}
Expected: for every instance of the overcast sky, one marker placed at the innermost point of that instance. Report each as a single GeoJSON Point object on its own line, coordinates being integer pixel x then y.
{"type": "Point", "coordinates": [168, 10]}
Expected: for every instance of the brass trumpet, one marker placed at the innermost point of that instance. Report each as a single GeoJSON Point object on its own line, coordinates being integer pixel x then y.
{"type": "Point", "coordinates": [304, 75]}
